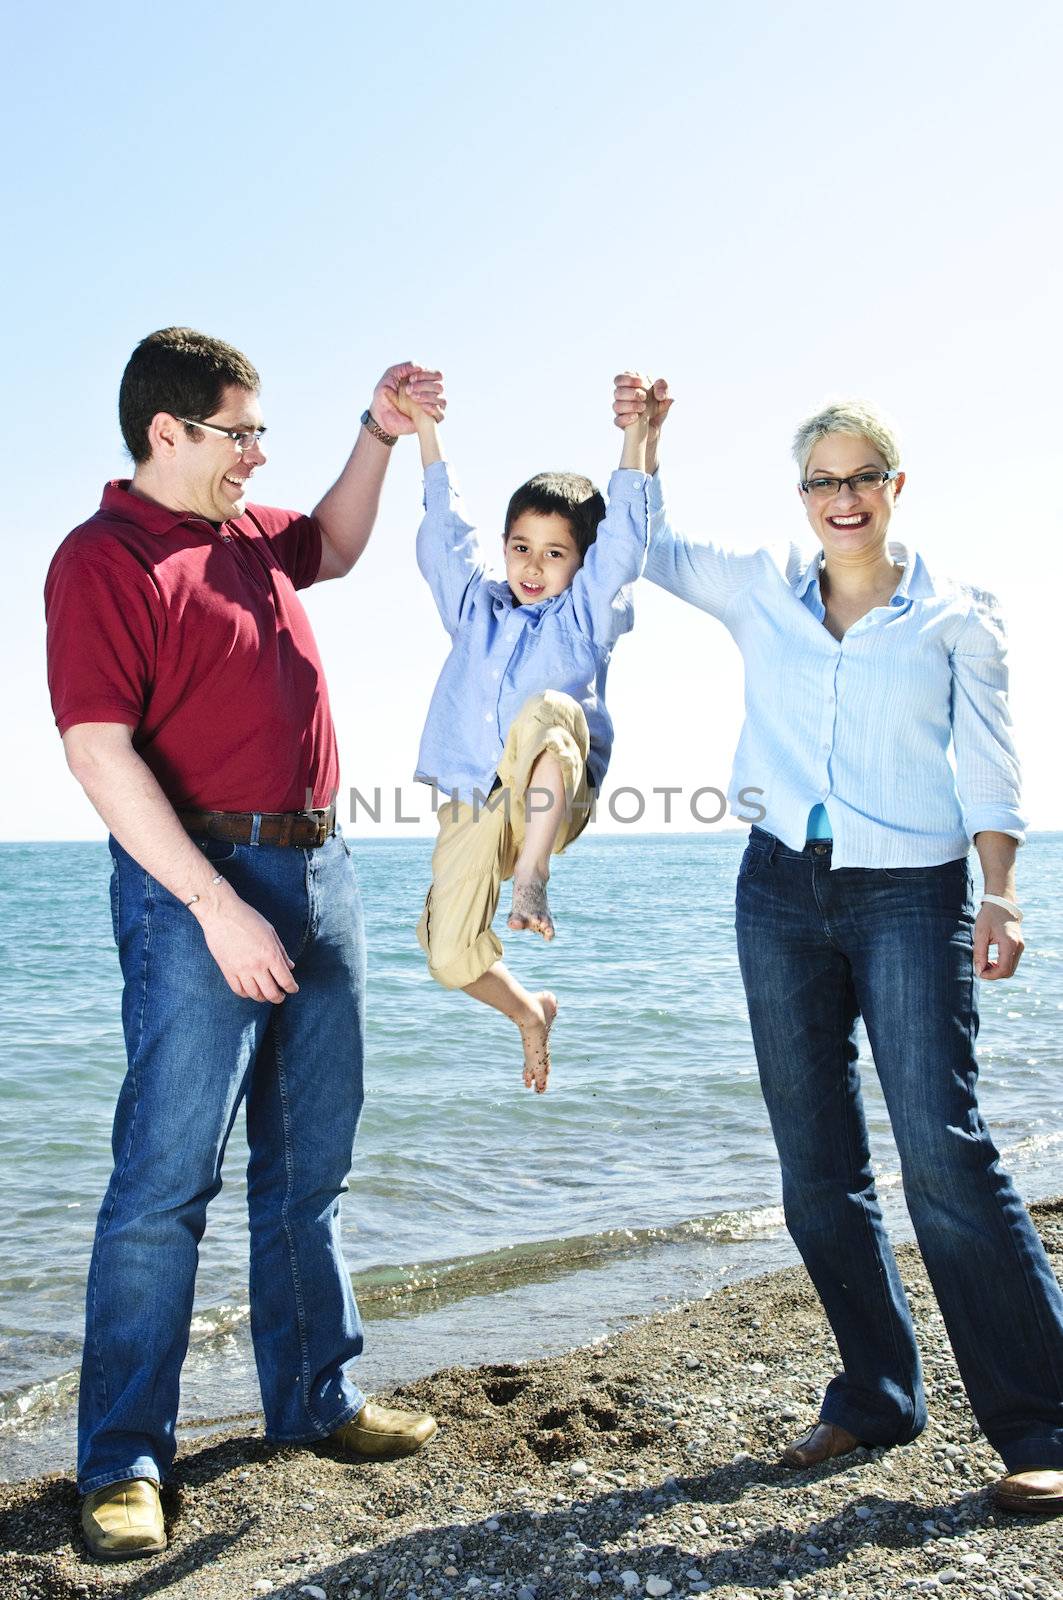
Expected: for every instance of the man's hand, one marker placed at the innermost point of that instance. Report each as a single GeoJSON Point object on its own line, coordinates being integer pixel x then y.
{"type": "Point", "coordinates": [635, 396]}
{"type": "Point", "coordinates": [252, 959]}
{"type": "Point", "coordinates": [421, 387]}
{"type": "Point", "coordinates": [996, 926]}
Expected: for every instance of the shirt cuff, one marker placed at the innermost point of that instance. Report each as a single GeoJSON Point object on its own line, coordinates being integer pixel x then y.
{"type": "Point", "coordinates": [627, 484]}
{"type": "Point", "coordinates": [438, 487]}
{"type": "Point", "coordinates": [995, 819]}
{"type": "Point", "coordinates": [655, 494]}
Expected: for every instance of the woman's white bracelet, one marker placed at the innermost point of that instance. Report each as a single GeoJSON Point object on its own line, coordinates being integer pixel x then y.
{"type": "Point", "coordinates": [1008, 905]}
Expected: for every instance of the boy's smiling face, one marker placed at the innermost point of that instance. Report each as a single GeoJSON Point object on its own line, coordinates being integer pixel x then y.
{"type": "Point", "coordinates": [542, 556]}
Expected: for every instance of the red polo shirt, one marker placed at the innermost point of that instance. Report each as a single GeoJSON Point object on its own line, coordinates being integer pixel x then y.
{"type": "Point", "coordinates": [196, 638]}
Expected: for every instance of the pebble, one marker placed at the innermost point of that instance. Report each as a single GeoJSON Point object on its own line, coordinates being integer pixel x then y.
{"type": "Point", "coordinates": [262, 1586]}
{"type": "Point", "coordinates": [312, 1592]}
{"type": "Point", "coordinates": [656, 1586]}
{"type": "Point", "coordinates": [630, 1579]}
{"type": "Point", "coordinates": [594, 1579]}
{"type": "Point", "coordinates": [578, 1469]}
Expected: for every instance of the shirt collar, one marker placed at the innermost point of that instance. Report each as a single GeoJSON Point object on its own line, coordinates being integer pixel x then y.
{"type": "Point", "coordinates": [499, 589]}
{"type": "Point", "coordinates": [120, 501]}
{"type": "Point", "coordinates": [810, 577]}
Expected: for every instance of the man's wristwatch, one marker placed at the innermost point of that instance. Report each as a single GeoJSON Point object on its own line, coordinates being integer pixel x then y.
{"type": "Point", "coordinates": [371, 425]}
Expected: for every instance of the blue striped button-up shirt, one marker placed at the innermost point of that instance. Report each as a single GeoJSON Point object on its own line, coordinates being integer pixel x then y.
{"type": "Point", "coordinates": [503, 652]}
{"type": "Point", "coordinates": [901, 727]}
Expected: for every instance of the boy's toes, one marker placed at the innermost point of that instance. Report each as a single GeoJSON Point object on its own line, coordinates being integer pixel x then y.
{"type": "Point", "coordinates": [530, 910]}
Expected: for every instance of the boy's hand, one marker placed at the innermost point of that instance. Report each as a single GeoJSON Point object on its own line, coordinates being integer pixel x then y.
{"type": "Point", "coordinates": [405, 392]}
{"type": "Point", "coordinates": [635, 396]}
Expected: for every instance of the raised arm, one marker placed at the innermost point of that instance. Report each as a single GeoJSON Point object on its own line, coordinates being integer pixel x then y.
{"type": "Point", "coordinates": [448, 551]}
{"type": "Point", "coordinates": [346, 514]}
{"type": "Point", "coordinates": [705, 575]}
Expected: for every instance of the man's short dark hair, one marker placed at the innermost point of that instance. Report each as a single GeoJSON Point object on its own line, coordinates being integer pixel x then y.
{"type": "Point", "coordinates": [567, 495]}
{"type": "Point", "coordinates": [180, 371]}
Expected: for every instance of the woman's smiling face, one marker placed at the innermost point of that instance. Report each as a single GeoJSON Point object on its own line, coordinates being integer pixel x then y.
{"type": "Point", "coordinates": [853, 520]}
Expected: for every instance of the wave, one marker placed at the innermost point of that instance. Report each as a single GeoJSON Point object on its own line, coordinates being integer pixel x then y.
{"type": "Point", "coordinates": [412, 1289]}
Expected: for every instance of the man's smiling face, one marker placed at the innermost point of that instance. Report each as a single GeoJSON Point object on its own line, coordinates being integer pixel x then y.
{"type": "Point", "coordinates": [212, 472]}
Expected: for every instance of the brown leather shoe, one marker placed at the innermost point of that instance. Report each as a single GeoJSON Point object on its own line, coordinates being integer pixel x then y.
{"type": "Point", "coordinates": [123, 1521]}
{"type": "Point", "coordinates": [1035, 1493]}
{"type": "Point", "coordinates": [380, 1434]}
{"type": "Point", "coordinates": [820, 1443]}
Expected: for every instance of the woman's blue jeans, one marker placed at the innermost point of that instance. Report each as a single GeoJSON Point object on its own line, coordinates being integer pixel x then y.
{"type": "Point", "coordinates": [195, 1052]}
{"type": "Point", "coordinates": [817, 949]}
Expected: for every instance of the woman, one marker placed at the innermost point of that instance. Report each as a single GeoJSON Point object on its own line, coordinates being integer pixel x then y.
{"type": "Point", "coordinates": [854, 898]}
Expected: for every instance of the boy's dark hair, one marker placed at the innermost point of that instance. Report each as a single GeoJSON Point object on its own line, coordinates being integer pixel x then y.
{"type": "Point", "coordinates": [180, 371]}
{"type": "Point", "coordinates": [568, 495]}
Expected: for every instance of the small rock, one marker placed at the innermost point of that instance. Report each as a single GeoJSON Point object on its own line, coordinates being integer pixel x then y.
{"type": "Point", "coordinates": [578, 1469]}
{"type": "Point", "coordinates": [525, 1593]}
{"type": "Point", "coordinates": [789, 1414]}
{"type": "Point", "coordinates": [594, 1579]}
{"type": "Point", "coordinates": [312, 1591]}
{"type": "Point", "coordinates": [492, 1525]}
{"type": "Point", "coordinates": [694, 1574]}
{"type": "Point", "coordinates": [629, 1579]}
{"type": "Point", "coordinates": [262, 1586]}
{"type": "Point", "coordinates": [450, 1572]}
{"type": "Point", "coordinates": [692, 1363]}
{"type": "Point", "coordinates": [863, 1512]}
{"type": "Point", "coordinates": [656, 1586]}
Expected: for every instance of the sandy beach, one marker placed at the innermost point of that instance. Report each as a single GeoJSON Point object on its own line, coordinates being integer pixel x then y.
{"type": "Point", "coordinates": [642, 1465]}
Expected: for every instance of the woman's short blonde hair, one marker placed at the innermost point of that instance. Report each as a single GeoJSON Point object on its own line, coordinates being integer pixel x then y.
{"type": "Point", "coordinates": [848, 416]}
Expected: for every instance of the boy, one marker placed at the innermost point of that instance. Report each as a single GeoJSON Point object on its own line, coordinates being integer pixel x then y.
{"type": "Point", "coordinates": [517, 731]}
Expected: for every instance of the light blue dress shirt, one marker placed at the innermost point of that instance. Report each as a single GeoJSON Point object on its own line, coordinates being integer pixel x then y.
{"type": "Point", "coordinates": [902, 727]}
{"type": "Point", "coordinates": [502, 652]}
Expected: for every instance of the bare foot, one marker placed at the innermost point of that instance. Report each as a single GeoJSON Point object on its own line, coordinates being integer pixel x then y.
{"type": "Point", "coordinates": [530, 909]}
{"type": "Point", "coordinates": [536, 1039]}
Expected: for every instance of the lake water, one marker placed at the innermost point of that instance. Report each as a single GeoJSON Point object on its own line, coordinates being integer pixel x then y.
{"type": "Point", "coordinates": [483, 1223]}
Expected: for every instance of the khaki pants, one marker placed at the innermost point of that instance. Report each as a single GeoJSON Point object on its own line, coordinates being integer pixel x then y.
{"type": "Point", "coordinates": [478, 846]}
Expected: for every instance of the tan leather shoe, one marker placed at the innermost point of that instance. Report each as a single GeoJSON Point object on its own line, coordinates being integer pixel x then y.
{"type": "Point", "coordinates": [820, 1443]}
{"type": "Point", "coordinates": [123, 1521]}
{"type": "Point", "coordinates": [1037, 1493]}
{"type": "Point", "coordinates": [379, 1433]}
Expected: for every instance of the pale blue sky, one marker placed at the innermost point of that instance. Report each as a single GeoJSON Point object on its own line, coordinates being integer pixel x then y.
{"type": "Point", "coordinates": [768, 204]}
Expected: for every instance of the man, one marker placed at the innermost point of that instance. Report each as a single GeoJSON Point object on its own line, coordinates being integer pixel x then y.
{"type": "Point", "coordinates": [191, 700]}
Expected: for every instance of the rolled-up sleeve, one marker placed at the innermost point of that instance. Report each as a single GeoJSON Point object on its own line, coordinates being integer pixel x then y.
{"type": "Point", "coordinates": [601, 590]}
{"type": "Point", "coordinates": [988, 776]}
{"type": "Point", "coordinates": [448, 551]}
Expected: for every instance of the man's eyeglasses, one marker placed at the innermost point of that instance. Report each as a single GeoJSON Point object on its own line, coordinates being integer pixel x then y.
{"type": "Point", "coordinates": [242, 438]}
{"type": "Point", "coordinates": [859, 483]}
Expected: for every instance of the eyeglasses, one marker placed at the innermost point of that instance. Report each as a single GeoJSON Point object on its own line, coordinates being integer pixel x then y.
{"type": "Point", "coordinates": [859, 483]}
{"type": "Point", "coordinates": [242, 438]}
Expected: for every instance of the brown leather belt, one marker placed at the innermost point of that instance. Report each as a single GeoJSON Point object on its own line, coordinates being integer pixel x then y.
{"type": "Point", "coordinates": [303, 830]}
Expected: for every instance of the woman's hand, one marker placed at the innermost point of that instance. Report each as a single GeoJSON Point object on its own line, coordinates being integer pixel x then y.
{"type": "Point", "coordinates": [995, 926]}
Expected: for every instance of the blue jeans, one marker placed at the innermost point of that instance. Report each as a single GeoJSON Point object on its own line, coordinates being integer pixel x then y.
{"type": "Point", "coordinates": [817, 949]}
{"type": "Point", "coordinates": [195, 1052]}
